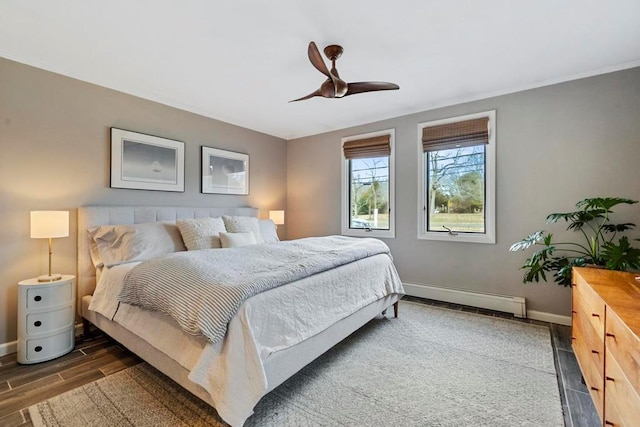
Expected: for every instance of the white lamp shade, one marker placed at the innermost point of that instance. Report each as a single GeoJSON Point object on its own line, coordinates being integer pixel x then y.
{"type": "Point", "coordinates": [49, 224]}
{"type": "Point", "coordinates": [277, 217]}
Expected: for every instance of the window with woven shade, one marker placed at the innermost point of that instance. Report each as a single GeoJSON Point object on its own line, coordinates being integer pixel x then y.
{"type": "Point", "coordinates": [367, 190]}
{"type": "Point", "coordinates": [457, 179]}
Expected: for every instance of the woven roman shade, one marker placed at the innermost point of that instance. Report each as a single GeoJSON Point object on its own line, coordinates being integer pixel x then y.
{"type": "Point", "coordinates": [456, 135]}
{"type": "Point", "coordinates": [377, 146]}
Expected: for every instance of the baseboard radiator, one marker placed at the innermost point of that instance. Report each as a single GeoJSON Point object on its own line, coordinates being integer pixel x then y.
{"type": "Point", "coordinates": [508, 304]}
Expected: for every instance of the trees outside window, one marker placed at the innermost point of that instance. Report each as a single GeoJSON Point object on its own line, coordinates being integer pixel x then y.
{"type": "Point", "coordinates": [456, 189]}
{"type": "Point", "coordinates": [369, 193]}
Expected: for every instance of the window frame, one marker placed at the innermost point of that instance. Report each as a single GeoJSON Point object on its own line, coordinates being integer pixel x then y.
{"type": "Point", "coordinates": [345, 209]}
{"type": "Point", "coordinates": [489, 236]}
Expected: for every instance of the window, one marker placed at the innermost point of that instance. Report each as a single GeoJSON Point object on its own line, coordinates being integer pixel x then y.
{"type": "Point", "coordinates": [457, 179]}
{"type": "Point", "coordinates": [368, 184]}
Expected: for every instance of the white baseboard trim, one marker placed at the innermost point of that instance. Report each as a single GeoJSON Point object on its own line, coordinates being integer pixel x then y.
{"type": "Point", "coordinates": [549, 317]}
{"type": "Point", "coordinates": [507, 304]}
{"type": "Point", "coordinates": [8, 348]}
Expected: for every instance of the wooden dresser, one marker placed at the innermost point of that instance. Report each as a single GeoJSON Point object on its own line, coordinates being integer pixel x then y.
{"type": "Point", "coordinates": [606, 341]}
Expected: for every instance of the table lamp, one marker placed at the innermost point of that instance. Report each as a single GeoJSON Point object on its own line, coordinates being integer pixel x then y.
{"type": "Point", "coordinates": [277, 217]}
{"type": "Point", "coordinates": [49, 225]}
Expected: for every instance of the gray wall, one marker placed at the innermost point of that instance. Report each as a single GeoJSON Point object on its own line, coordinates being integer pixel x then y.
{"type": "Point", "coordinates": [555, 145]}
{"type": "Point", "coordinates": [54, 154]}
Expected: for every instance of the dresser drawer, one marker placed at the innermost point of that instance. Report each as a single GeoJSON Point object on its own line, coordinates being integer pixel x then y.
{"type": "Point", "coordinates": [593, 344]}
{"type": "Point", "coordinates": [612, 418]}
{"type": "Point", "coordinates": [591, 374]}
{"type": "Point", "coordinates": [621, 395]}
{"type": "Point", "coordinates": [48, 321]}
{"type": "Point", "coordinates": [47, 295]}
{"type": "Point", "coordinates": [624, 346]}
{"type": "Point", "coordinates": [593, 306]}
{"type": "Point", "coordinates": [47, 348]}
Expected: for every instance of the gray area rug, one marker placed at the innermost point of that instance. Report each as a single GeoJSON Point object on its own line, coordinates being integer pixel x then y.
{"type": "Point", "coordinates": [430, 367]}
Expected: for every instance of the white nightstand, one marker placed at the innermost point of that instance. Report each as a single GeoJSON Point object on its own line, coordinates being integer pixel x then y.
{"type": "Point", "coordinates": [46, 319]}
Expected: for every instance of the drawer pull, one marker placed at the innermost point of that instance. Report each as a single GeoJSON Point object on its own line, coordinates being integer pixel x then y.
{"type": "Point", "coordinates": [595, 388]}
{"type": "Point", "coordinates": [37, 298]}
{"type": "Point", "coordinates": [595, 314]}
{"type": "Point", "coordinates": [608, 423]}
{"type": "Point", "coordinates": [38, 349]}
{"type": "Point", "coordinates": [610, 335]}
{"type": "Point", "coordinates": [573, 338]}
{"type": "Point", "coordinates": [595, 352]}
{"type": "Point", "coordinates": [574, 312]}
{"type": "Point", "coordinates": [37, 323]}
{"type": "Point", "coordinates": [610, 379]}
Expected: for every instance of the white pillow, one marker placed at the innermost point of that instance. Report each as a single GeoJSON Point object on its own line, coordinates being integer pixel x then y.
{"type": "Point", "coordinates": [201, 233]}
{"type": "Point", "coordinates": [268, 231]}
{"type": "Point", "coordinates": [119, 244]}
{"type": "Point", "coordinates": [235, 240]}
{"type": "Point", "coordinates": [243, 224]}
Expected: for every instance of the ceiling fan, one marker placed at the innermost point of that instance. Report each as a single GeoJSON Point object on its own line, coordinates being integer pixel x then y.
{"type": "Point", "coordinates": [334, 86]}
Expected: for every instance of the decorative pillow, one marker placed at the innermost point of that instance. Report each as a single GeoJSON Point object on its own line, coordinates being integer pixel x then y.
{"type": "Point", "coordinates": [235, 240]}
{"type": "Point", "coordinates": [243, 224]}
{"type": "Point", "coordinates": [268, 231]}
{"type": "Point", "coordinates": [93, 251]}
{"type": "Point", "coordinates": [201, 233]}
{"type": "Point", "coordinates": [119, 244]}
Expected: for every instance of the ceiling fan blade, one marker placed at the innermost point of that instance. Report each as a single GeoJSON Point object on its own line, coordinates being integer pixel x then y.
{"type": "Point", "coordinates": [317, 61]}
{"type": "Point", "coordinates": [361, 87]}
{"type": "Point", "coordinates": [339, 85]}
{"type": "Point", "coordinates": [311, 95]}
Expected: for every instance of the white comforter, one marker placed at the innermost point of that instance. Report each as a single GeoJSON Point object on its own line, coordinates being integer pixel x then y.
{"type": "Point", "coordinates": [220, 280]}
{"type": "Point", "coordinates": [233, 371]}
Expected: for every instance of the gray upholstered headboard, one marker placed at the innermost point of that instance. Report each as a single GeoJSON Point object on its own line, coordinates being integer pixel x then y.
{"type": "Point", "coordinates": [93, 216]}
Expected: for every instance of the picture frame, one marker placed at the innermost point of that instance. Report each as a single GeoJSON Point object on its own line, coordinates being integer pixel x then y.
{"type": "Point", "coordinates": [146, 162]}
{"type": "Point", "coordinates": [224, 172]}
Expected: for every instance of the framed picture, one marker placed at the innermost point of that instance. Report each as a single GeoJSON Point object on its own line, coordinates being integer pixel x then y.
{"type": "Point", "coordinates": [224, 172]}
{"type": "Point", "coordinates": [145, 162]}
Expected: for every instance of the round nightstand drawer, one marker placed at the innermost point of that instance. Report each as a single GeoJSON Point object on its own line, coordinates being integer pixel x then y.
{"type": "Point", "coordinates": [47, 295]}
{"type": "Point", "coordinates": [40, 349]}
{"type": "Point", "coordinates": [47, 321]}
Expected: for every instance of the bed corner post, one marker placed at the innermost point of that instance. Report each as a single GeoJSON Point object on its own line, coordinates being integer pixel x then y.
{"type": "Point", "coordinates": [396, 305]}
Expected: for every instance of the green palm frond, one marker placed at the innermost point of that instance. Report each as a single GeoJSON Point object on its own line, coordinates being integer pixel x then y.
{"type": "Point", "coordinates": [527, 242]}
{"type": "Point", "coordinates": [615, 228]}
{"type": "Point", "coordinates": [606, 203]}
{"type": "Point", "coordinates": [621, 256]}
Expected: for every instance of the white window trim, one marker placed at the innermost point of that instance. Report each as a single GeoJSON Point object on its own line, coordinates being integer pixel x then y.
{"type": "Point", "coordinates": [345, 208]}
{"type": "Point", "coordinates": [489, 236]}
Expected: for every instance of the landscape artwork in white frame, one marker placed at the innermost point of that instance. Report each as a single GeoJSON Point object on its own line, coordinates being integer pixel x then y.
{"type": "Point", "coordinates": [224, 172]}
{"type": "Point", "coordinates": [146, 162]}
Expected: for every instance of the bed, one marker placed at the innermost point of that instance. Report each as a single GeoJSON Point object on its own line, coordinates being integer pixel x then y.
{"type": "Point", "coordinates": [271, 337]}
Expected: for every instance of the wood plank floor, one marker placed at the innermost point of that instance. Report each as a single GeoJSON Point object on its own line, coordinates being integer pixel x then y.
{"type": "Point", "coordinates": [24, 385]}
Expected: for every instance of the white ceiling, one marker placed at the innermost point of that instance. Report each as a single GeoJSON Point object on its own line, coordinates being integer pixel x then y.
{"type": "Point", "coordinates": [242, 61]}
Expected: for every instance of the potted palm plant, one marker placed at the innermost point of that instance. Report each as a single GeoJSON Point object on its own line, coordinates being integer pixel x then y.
{"type": "Point", "coordinates": [598, 245]}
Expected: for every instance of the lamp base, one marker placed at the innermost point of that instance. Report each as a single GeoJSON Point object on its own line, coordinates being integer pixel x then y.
{"type": "Point", "coordinates": [49, 277]}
